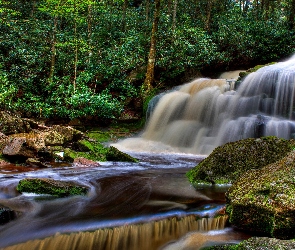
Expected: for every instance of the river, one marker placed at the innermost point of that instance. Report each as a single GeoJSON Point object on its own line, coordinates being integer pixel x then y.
{"type": "Point", "coordinates": [145, 205]}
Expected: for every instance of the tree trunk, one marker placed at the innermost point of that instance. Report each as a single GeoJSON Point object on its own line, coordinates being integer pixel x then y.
{"type": "Point", "coordinates": [174, 15]}
{"type": "Point", "coordinates": [53, 50]}
{"type": "Point", "coordinates": [76, 56]}
{"type": "Point", "coordinates": [266, 9]}
{"type": "Point", "coordinates": [147, 10]}
{"type": "Point", "coordinates": [89, 30]}
{"type": "Point", "coordinates": [124, 15]}
{"type": "Point", "coordinates": [169, 7]}
{"type": "Point", "coordinates": [149, 79]}
{"type": "Point", "coordinates": [208, 16]}
{"type": "Point", "coordinates": [292, 15]}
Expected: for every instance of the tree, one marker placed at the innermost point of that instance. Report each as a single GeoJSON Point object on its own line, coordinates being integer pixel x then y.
{"type": "Point", "coordinates": [149, 79]}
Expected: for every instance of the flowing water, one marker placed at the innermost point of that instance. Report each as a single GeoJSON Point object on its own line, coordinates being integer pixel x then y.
{"type": "Point", "coordinates": [150, 204]}
{"type": "Point", "coordinates": [129, 206]}
{"type": "Point", "coordinates": [205, 113]}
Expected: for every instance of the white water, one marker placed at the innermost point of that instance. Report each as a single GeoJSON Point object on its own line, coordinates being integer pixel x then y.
{"type": "Point", "coordinates": [206, 113]}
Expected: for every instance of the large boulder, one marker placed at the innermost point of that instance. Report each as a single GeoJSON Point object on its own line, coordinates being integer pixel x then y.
{"type": "Point", "coordinates": [51, 187]}
{"type": "Point", "coordinates": [257, 243]}
{"type": "Point", "coordinates": [263, 200]}
{"type": "Point", "coordinates": [38, 143]}
{"type": "Point", "coordinates": [226, 163]}
{"type": "Point", "coordinates": [11, 124]}
{"type": "Point", "coordinates": [17, 148]}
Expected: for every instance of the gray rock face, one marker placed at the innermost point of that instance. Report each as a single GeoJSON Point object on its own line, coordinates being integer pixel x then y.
{"type": "Point", "coordinates": [17, 147]}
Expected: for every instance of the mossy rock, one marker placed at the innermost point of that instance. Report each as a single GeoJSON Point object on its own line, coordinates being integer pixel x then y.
{"type": "Point", "coordinates": [263, 200]}
{"type": "Point", "coordinates": [257, 243]}
{"type": "Point", "coordinates": [90, 150]}
{"type": "Point", "coordinates": [115, 154]}
{"type": "Point", "coordinates": [243, 74]}
{"type": "Point", "coordinates": [227, 162]}
{"type": "Point", "coordinates": [51, 187]}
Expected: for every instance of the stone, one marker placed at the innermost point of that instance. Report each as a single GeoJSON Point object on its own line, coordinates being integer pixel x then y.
{"type": "Point", "coordinates": [259, 243]}
{"type": "Point", "coordinates": [17, 148]}
{"type": "Point", "coordinates": [51, 187]}
{"type": "Point", "coordinates": [11, 124]}
{"type": "Point", "coordinates": [36, 163]}
{"type": "Point", "coordinates": [83, 162]}
{"type": "Point", "coordinates": [114, 154]}
{"type": "Point", "coordinates": [69, 133]}
{"type": "Point", "coordinates": [6, 215]}
{"type": "Point", "coordinates": [227, 162]}
{"type": "Point", "coordinates": [263, 200]}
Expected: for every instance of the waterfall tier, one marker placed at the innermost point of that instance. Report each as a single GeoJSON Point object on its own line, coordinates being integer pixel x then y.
{"type": "Point", "coordinates": [206, 113]}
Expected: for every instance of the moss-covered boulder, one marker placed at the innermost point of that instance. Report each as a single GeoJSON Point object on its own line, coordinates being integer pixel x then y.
{"type": "Point", "coordinates": [114, 154]}
{"type": "Point", "coordinates": [226, 163]}
{"type": "Point", "coordinates": [257, 243]}
{"type": "Point", "coordinates": [51, 187]}
{"type": "Point", "coordinates": [263, 200]}
{"type": "Point", "coordinates": [86, 148]}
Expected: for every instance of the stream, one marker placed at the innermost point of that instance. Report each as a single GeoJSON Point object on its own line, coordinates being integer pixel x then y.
{"type": "Point", "coordinates": [126, 196]}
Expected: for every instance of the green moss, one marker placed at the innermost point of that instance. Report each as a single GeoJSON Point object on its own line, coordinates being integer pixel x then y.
{"type": "Point", "coordinates": [51, 187]}
{"type": "Point", "coordinates": [98, 153]}
{"type": "Point", "coordinates": [99, 135]}
{"type": "Point", "coordinates": [263, 200]}
{"type": "Point", "coordinates": [221, 247]}
{"type": "Point", "coordinates": [114, 154]}
{"type": "Point", "coordinates": [227, 162]}
{"type": "Point", "coordinates": [243, 74]}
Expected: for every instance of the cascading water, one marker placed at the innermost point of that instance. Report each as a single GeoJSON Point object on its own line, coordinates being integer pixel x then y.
{"type": "Point", "coordinates": [206, 113]}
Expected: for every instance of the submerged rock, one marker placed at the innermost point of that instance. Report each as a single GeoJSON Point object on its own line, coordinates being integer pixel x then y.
{"type": "Point", "coordinates": [83, 162]}
{"type": "Point", "coordinates": [114, 154]}
{"type": "Point", "coordinates": [226, 163]}
{"type": "Point", "coordinates": [263, 200]}
{"type": "Point", "coordinates": [51, 187]}
{"type": "Point", "coordinates": [6, 215]}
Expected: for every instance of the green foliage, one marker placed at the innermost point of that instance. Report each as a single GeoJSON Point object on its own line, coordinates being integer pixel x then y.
{"type": "Point", "coordinates": [99, 50]}
{"type": "Point", "coordinates": [248, 40]}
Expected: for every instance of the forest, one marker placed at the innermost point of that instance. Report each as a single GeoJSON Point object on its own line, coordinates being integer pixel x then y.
{"type": "Point", "coordinates": [66, 59]}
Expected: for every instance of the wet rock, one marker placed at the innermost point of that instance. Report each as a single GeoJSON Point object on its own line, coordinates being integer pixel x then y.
{"type": "Point", "coordinates": [11, 124]}
{"type": "Point", "coordinates": [263, 200]}
{"type": "Point", "coordinates": [6, 215]}
{"type": "Point", "coordinates": [3, 141]}
{"type": "Point", "coordinates": [259, 243]}
{"type": "Point", "coordinates": [17, 148]}
{"type": "Point", "coordinates": [51, 187]}
{"type": "Point", "coordinates": [227, 162]}
{"type": "Point", "coordinates": [53, 138]}
{"type": "Point", "coordinates": [36, 163]}
{"type": "Point", "coordinates": [266, 243]}
{"type": "Point", "coordinates": [114, 154]}
{"type": "Point", "coordinates": [4, 163]}
{"type": "Point", "coordinates": [68, 133]}
{"type": "Point", "coordinates": [83, 162]}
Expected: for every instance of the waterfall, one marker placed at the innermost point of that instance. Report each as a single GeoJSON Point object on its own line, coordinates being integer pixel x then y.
{"type": "Point", "coordinates": [206, 113]}
{"type": "Point", "coordinates": [145, 236]}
